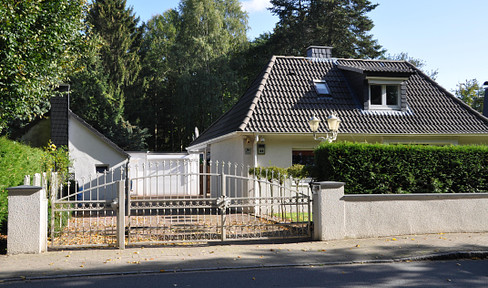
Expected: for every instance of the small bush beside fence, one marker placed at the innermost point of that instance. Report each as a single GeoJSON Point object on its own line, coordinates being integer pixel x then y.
{"type": "Point", "coordinates": [16, 161]}
{"type": "Point", "coordinates": [383, 169]}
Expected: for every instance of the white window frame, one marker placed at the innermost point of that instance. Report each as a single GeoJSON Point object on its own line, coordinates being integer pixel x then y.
{"type": "Point", "coordinates": [383, 82]}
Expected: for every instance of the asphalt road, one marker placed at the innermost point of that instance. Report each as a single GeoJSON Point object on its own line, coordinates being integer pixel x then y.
{"type": "Point", "coordinates": [455, 273]}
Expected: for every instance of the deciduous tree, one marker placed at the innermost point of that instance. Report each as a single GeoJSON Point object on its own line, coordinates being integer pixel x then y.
{"type": "Point", "coordinates": [472, 93]}
{"type": "Point", "coordinates": [39, 44]}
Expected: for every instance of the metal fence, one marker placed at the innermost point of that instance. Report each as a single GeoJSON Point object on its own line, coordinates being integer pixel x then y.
{"type": "Point", "coordinates": [82, 214]}
{"type": "Point", "coordinates": [175, 201]}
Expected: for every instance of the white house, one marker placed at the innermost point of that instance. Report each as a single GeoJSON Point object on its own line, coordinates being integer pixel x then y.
{"type": "Point", "coordinates": [377, 101]}
{"type": "Point", "coordinates": [90, 151]}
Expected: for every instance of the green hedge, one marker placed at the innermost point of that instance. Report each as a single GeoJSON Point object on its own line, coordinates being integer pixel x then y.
{"type": "Point", "coordinates": [296, 171]}
{"type": "Point", "coordinates": [384, 169]}
{"type": "Point", "coordinates": [16, 161]}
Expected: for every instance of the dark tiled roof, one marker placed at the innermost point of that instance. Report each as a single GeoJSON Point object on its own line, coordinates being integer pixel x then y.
{"type": "Point", "coordinates": [374, 66]}
{"type": "Point", "coordinates": [282, 99]}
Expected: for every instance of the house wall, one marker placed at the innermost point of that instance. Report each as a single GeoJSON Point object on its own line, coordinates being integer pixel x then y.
{"type": "Point", "coordinates": [238, 150]}
{"type": "Point", "coordinates": [87, 150]}
{"type": "Point", "coordinates": [231, 150]}
{"type": "Point", "coordinates": [279, 149]}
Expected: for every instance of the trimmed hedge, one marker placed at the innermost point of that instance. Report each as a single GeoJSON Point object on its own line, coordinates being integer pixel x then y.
{"type": "Point", "coordinates": [384, 169]}
{"type": "Point", "coordinates": [16, 161]}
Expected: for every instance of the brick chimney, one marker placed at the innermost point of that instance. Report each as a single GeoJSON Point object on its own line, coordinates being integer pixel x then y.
{"type": "Point", "coordinates": [485, 100]}
{"type": "Point", "coordinates": [319, 52]}
{"type": "Point", "coordinates": [59, 116]}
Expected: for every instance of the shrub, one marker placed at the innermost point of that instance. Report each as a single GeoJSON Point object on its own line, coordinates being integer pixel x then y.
{"type": "Point", "coordinates": [381, 169]}
{"type": "Point", "coordinates": [16, 161]}
{"type": "Point", "coordinates": [296, 171]}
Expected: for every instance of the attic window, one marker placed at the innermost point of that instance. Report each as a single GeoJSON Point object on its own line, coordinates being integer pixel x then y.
{"type": "Point", "coordinates": [321, 88]}
{"type": "Point", "coordinates": [385, 93]}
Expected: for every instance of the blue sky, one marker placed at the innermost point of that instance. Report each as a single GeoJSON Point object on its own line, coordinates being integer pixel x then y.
{"type": "Point", "coordinates": [447, 35]}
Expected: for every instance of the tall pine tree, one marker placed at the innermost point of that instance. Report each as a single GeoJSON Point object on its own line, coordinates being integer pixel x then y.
{"type": "Point", "coordinates": [112, 65]}
{"type": "Point", "coordinates": [341, 24]}
{"type": "Point", "coordinates": [117, 26]}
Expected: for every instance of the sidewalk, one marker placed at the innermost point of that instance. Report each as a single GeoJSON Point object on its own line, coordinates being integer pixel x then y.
{"type": "Point", "coordinates": [231, 255]}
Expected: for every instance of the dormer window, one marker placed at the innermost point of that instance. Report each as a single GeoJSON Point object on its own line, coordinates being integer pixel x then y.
{"type": "Point", "coordinates": [385, 93]}
{"type": "Point", "coordinates": [321, 88]}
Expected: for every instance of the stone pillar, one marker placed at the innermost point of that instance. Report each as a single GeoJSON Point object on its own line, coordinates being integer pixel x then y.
{"type": "Point", "coordinates": [328, 210]}
{"type": "Point", "coordinates": [27, 220]}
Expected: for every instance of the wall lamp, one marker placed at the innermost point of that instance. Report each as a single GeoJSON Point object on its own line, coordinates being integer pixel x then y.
{"type": "Point", "coordinates": [333, 122]}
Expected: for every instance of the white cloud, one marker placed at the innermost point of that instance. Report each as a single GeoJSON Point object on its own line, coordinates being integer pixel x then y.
{"type": "Point", "coordinates": [255, 5]}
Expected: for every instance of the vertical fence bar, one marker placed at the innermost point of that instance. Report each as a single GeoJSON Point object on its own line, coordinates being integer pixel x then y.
{"type": "Point", "coordinates": [222, 210]}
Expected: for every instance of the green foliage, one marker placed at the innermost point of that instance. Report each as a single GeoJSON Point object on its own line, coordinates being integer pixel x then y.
{"type": "Point", "coordinates": [472, 93]}
{"type": "Point", "coordinates": [191, 58]}
{"type": "Point", "coordinates": [270, 173]}
{"type": "Point", "coordinates": [296, 171]}
{"type": "Point", "coordinates": [342, 24]}
{"type": "Point", "coordinates": [111, 65]}
{"type": "Point", "coordinates": [39, 44]}
{"type": "Point", "coordinates": [117, 27]}
{"type": "Point", "coordinates": [151, 101]}
{"type": "Point", "coordinates": [384, 169]}
{"type": "Point", "coordinates": [56, 159]}
{"type": "Point", "coordinates": [16, 161]}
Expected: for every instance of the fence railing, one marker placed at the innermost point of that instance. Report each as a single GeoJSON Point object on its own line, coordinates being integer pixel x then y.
{"type": "Point", "coordinates": [175, 200]}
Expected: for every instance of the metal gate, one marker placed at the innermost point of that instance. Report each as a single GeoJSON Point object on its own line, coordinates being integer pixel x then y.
{"type": "Point", "coordinates": [86, 214]}
{"type": "Point", "coordinates": [238, 206]}
{"type": "Point", "coordinates": [177, 204]}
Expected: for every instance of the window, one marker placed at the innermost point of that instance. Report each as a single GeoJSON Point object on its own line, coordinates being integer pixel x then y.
{"type": "Point", "coordinates": [303, 157]}
{"type": "Point", "coordinates": [384, 92]}
{"type": "Point", "coordinates": [321, 88]}
{"type": "Point", "coordinates": [101, 168]}
{"type": "Point", "coordinates": [385, 95]}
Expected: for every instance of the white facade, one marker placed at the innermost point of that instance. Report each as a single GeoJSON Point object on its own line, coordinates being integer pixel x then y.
{"type": "Point", "coordinates": [87, 151]}
{"type": "Point", "coordinates": [278, 148]}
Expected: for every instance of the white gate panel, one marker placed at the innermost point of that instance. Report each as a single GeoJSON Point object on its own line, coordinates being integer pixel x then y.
{"type": "Point", "coordinates": [164, 174]}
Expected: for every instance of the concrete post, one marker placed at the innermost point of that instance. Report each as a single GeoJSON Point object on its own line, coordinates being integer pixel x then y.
{"type": "Point", "coordinates": [27, 220]}
{"type": "Point", "coordinates": [121, 215]}
{"type": "Point", "coordinates": [328, 210]}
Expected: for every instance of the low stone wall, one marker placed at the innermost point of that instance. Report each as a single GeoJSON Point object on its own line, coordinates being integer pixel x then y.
{"type": "Point", "coordinates": [339, 216]}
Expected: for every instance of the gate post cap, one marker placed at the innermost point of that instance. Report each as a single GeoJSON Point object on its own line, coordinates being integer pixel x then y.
{"type": "Point", "coordinates": [23, 189]}
{"type": "Point", "coordinates": [329, 184]}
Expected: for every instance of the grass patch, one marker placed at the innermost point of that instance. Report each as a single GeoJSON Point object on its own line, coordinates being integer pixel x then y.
{"type": "Point", "coordinates": [294, 216]}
